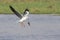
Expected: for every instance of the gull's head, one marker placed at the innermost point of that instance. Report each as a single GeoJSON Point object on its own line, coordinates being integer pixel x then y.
{"type": "Point", "coordinates": [26, 9]}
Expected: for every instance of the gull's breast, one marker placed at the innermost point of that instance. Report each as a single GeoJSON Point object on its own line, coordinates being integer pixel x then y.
{"type": "Point", "coordinates": [23, 19]}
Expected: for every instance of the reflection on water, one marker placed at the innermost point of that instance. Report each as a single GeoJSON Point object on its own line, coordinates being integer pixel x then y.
{"type": "Point", "coordinates": [43, 27]}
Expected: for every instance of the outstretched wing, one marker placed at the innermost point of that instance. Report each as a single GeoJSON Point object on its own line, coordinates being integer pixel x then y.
{"type": "Point", "coordinates": [15, 12]}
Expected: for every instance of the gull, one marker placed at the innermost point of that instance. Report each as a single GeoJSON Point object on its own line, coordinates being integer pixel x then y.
{"type": "Point", "coordinates": [23, 17]}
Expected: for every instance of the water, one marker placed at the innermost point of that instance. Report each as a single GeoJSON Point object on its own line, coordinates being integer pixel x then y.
{"type": "Point", "coordinates": [43, 27]}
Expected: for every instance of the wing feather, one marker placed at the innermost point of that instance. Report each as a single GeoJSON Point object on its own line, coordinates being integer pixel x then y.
{"type": "Point", "coordinates": [15, 12]}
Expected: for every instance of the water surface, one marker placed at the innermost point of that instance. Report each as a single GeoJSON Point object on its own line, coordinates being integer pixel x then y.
{"type": "Point", "coordinates": [43, 27]}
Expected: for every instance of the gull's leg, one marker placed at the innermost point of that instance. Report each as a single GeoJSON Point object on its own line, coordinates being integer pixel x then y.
{"type": "Point", "coordinates": [22, 24]}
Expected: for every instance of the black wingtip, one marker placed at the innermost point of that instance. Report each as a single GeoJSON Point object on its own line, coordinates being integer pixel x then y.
{"type": "Point", "coordinates": [9, 5]}
{"type": "Point", "coordinates": [15, 12]}
{"type": "Point", "coordinates": [11, 8]}
{"type": "Point", "coordinates": [29, 23]}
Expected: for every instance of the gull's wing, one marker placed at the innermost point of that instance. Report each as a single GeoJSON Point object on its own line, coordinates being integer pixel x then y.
{"type": "Point", "coordinates": [15, 12]}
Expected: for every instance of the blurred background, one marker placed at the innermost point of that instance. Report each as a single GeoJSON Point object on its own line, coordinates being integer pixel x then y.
{"type": "Point", "coordinates": [35, 6]}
